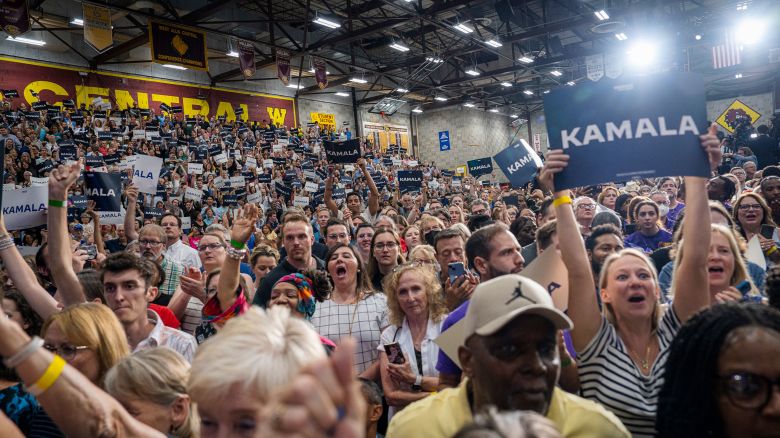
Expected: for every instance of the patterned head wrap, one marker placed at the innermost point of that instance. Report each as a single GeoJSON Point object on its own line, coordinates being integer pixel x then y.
{"type": "Point", "coordinates": [306, 301]}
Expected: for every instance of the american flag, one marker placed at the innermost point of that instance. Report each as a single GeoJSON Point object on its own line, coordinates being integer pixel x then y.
{"type": "Point", "coordinates": [726, 54]}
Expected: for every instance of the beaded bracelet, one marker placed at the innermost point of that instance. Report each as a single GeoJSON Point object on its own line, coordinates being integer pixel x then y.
{"type": "Point", "coordinates": [235, 254]}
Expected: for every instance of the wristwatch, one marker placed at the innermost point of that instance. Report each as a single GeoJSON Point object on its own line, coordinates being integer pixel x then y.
{"type": "Point", "coordinates": [417, 385]}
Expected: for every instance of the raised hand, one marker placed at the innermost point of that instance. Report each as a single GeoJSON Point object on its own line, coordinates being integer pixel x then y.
{"type": "Point", "coordinates": [555, 162]}
{"type": "Point", "coordinates": [132, 193]}
{"type": "Point", "coordinates": [712, 146]}
{"type": "Point", "coordinates": [61, 178]}
{"type": "Point", "coordinates": [244, 224]}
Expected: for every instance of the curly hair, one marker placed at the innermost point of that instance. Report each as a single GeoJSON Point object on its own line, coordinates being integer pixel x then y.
{"type": "Point", "coordinates": [433, 293]}
{"type": "Point", "coordinates": [686, 402]}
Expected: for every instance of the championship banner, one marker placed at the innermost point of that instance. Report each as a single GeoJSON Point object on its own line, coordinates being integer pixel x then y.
{"type": "Point", "coordinates": [246, 58]}
{"type": "Point", "coordinates": [613, 65]}
{"type": "Point", "coordinates": [147, 173]}
{"type": "Point", "coordinates": [480, 166]}
{"type": "Point", "coordinates": [325, 120]}
{"type": "Point", "coordinates": [14, 17]}
{"type": "Point", "coordinates": [519, 163]}
{"type": "Point", "coordinates": [616, 130]}
{"type": "Point", "coordinates": [409, 181]}
{"type": "Point", "coordinates": [56, 85]}
{"type": "Point", "coordinates": [25, 208]}
{"type": "Point", "coordinates": [343, 152]}
{"type": "Point", "coordinates": [320, 72]}
{"type": "Point", "coordinates": [595, 66]}
{"type": "Point", "coordinates": [283, 66]}
{"type": "Point", "coordinates": [98, 32]}
{"type": "Point", "coordinates": [105, 189]}
{"type": "Point", "coordinates": [180, 45]}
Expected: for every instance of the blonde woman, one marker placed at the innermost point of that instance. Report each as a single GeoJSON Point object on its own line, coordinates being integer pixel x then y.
{"type": "Point", "coordinates": [424, 255]}
{"type": "Point", "coordinates": [152, 386]}
{"type": "Point", "coordinates": [417, 311]}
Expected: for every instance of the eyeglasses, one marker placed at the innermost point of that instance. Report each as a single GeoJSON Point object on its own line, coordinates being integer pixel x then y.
{"type": "Point", "coordinates": [148, 242]}
{"type": "Point", "coordinates": [746, 207]}
{"type": "Point", "coordinates": [337, 236]}
{"type": "Point", "coordinates": [67, 352]}
{"type": "Point", "coordinates": [748, 390]}
{"type": "Point", "coordinates": [382, 246]}
{"type": "Point", "coordinates": [587, 206]}
{"type": "Point", "coordinates": [210, 246]}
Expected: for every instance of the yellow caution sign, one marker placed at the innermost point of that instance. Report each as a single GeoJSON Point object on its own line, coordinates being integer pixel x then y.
{"type": "Point", "coordinates": [735, 111]}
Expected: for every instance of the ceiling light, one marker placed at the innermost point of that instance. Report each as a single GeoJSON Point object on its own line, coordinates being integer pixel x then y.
{"type": "Point", "coordinates": [434, 59]}
{"type": "Point", "coordinates": [570, 83]}
{"type": "Point", "coordinates": [175, 67]}
{"type": "Point", "coordinates": [602, 15]}
{"type": "Point", "coordinates": [642, 53]}
{"type": "Point", "coordinates": [750, 31]}
{"type": "Point", "coordinates": [232, 54]}
{"type": "Point", "coordinates": [402, 90]}
{"type": "Point", "coordinates": [493, 110]}
{"type": "Point", "coordinates": [342, 94]}
{"type": "Point", "coordinates": [400, 47]}
{"type": "Point", "coordinates": [311, 70]}
{"type": "Point", "coordinates": [358, 80]}
{"type": "Point", "coordinates": [545, 91]}
{"type": "Point", "coordinates": [698, 37]}
{"type": "Point", "coordinates": [738, 76]}
{"type": "Point", "coordinates": [327, 23]}
{"type": "Point", "coordinates": [528, 92]}
{"type": "Point", "coordinates": [77, 22]}
{"type": "Point", "coordinates": [27, 41]}
{"type": "Point", "coordinates": [525, 59]}
{"type": "Point", "coordinates": [297, 87]}
{"type": "Point", "coordinates": [621, 36]}
{"type": "Point", "coordinates": [514, 116]}
{"type": "Point", "coordinates": [556, 73]}
{"type": "Point", "coordinates": [493, 43]}
{"type": "Point", "coordinates": [472, 72]}
{"type": "Point", "coordinates": [463, 28]}
{"type": "Point", "coordinates": [440, 98]}
{"type": "Point", "coordinates": [742, 6]}
{"type": "Point", "coordinates": [469, 105]}
{"type": "Point", "coordinates": [506, 84]}
{"type": "Point", "coordinates": [417, 110]}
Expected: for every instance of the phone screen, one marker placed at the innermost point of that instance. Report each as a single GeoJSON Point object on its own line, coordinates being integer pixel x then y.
{"type": "Point", "coordinates": [394, 353]}
{"type": "Point", "coordinates": [767, 231]}
{"type": "Point", "coordinates": [455, 270]}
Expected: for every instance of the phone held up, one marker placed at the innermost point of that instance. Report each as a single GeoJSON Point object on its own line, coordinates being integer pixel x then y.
{"type": "Point", "coordinates": [455, 270]}
{"type": "Point", "coordinates": [394, 353]}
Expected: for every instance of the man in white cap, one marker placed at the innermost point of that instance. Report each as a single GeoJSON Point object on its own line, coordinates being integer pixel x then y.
{"type": "Point", "coordinates": [506, 346]}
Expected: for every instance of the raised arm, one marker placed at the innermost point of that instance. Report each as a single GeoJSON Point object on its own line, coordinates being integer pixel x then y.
{"type": "Point", "coordinates": [75, 404]}
{"type": "Point", "coordinates": [691, 269]}
{"type": "Point", "coordinates": [132, 204]}
{"type": "Point", "coordinates": [243, 227]}
{"type": "Point", "coordinates": [583, 308]}
{"type": "Point", "coordinates": [98, 233]}
{"type": "Point", "coordinates": [60, 251]}
{"type": "Point", "coordinates": [373, 192]}
{"type": "Point", "coordinates": [328, 196]}
{"type": "Point", "coordinates": [24, 278]}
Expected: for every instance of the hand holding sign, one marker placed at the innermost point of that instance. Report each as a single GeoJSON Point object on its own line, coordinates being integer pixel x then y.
{"type": "Point", "coordinates": [712, 146]}
{"type": "Point", "coordinates": [62, 178]}
{"type": "Point", "coordinates": [555, 162]}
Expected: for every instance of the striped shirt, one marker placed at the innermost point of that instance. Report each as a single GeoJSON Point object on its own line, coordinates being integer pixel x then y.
{"type": "Point", "coordinates": [609, 376]}
{"type": "Point", "coordinates": [363, 321]}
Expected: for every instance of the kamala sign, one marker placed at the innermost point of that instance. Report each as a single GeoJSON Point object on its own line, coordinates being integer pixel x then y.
{"type": "Point", "coordinates": [616, 130]}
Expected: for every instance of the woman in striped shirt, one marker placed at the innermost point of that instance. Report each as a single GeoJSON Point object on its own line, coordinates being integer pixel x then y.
{"type": "Point", "coordinates": [623, 350]}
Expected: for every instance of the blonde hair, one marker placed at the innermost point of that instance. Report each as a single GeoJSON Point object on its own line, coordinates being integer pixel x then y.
{"type": "Point", "coordinates": [426, 250]}
{"type": "Point", "coordinates": [158, 375]}
{"type": "Point", "coordinates": [433, 293]}
{"type": "Point", "coordinates": [607, 311]}
{"type": "Point", "coordinates": [95, 326]}
{"type": "Point", "coordinates": [257, 361]}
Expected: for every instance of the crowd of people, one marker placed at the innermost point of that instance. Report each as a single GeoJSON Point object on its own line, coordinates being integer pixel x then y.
{"type": "Point", "coordinates": [317, 299]}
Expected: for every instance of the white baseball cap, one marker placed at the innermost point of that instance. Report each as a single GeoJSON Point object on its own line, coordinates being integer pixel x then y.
{"type": "Point", "coordinates": [494, 304]}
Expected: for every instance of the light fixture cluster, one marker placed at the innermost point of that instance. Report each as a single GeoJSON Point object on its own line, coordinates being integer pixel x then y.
{"type": "Point", "coordinates": [621, 36]}
{"type": "Point", "coordinates": [29, 41]}
{"type": "Point", "coordinates": [602, 15]}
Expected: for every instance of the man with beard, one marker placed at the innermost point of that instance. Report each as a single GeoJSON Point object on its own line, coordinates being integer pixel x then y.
{"type": "Point", "coordinates": [770, 190]}
{"type": "Point", "coordinates": [450, 247]}
{"type": "Point", "coordinates": [151, 243]}
{"type": "Point", "coordinates": [506, 345]}
{"type": "Point", "coordinates": [604, 240]}
{"type": "Point", "coordinates": [492, 251]}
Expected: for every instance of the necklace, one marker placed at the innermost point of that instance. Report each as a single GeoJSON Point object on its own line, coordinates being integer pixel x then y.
{"type": "Point", "coordinates": [644, 363]}
{"type": "Point", "coordinates": [354, 312]}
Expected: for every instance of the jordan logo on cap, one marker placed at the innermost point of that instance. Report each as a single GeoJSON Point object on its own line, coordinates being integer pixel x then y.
{"type": "Point", "coordinates": [518, 293]}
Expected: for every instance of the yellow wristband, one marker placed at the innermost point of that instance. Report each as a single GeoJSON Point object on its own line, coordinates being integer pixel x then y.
{"type": "Point", "coordinates": [771, 250]}
{"type": "Point", "coordinates": [48, 378]}
{"type": "Point", "coordinates": [561, 200]}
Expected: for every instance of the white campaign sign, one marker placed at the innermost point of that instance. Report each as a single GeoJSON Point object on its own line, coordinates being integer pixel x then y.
{"type": "Point", "coordinates": [237, 181]}
{"type": "Point", "coordinates": [39, 182]}
{"type": "Point", "coordinates": [219, 182]}
{"type": "Point", "coordinates": [25, 208]}
{"type": "Point", "coordinates": [311, 187]}
{"type": "Point", "coordinates": [112, 217]}
{"type": "Point", "coordinates": [186, 222]}
{"type": "Point", "coordinates": [194, 194]}
{"type": "Point", "coordinates": [269, 163]}
{"type": "Point", "coordinates": [251, 163]}
{"type": "Point", "coordinates": [301, 201]}
{"type": "Point", "coordinates": [254, 198]}
{"type": "Point", "coordinates": [195, 168]}
{"type": "Point", "coordinates": [220, 158]}
{"type": "Point", "coordinates": [147, 173]}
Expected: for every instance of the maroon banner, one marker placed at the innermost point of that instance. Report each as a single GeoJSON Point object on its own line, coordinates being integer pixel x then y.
{"type": "Point", "coordinates": [246, 57]}
{"type": "Point", "coordinates": [54, 84]}
{"type": "Point", "coordinates": [320, 72]}
{"type": "Point", "coordinates": [283, 66]}
{"type": "Point", "coordinates": [14, 17]}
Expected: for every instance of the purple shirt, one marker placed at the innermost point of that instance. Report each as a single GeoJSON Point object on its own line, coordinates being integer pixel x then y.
{"type": "Point", "coordinates": [445, 364]}
{"type": "Point", "coordinates": [648, 244]}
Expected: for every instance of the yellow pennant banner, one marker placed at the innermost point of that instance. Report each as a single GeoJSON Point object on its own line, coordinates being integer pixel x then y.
{"type": "Point", "coordinates": [97, 27]}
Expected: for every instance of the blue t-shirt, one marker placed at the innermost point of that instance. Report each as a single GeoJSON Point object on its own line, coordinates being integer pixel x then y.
{"type": "Point", "coordinates": [18, 405]}
{"type": "Point", "coordinates": [648, 244]}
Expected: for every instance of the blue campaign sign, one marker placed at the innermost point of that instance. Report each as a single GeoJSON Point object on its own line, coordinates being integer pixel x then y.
{"type": "Point", "coordinates": [616, 130]}
{"type": "Point", "coordinates": [444, 140]}
{"type": "Point", "coordinates": [519, 163]}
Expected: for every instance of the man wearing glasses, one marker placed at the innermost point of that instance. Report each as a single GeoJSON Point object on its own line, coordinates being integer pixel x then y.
{"type": "Point", "coordinates": [151, 243]}
{"type": "Point", "coordinates": [336, 231]}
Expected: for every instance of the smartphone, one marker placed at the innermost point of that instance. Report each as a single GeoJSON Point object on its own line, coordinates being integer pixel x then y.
{"type": "Point", "coordinates": [394, 353]}
{"type": "Point", "coordinates": [91, 251]}
{"type": "Point", "coordinates": [767, 231]}
{"type": "Point", "coordinates": [456, 269]}
{"type": "Point", "coordinates": [743, 287]}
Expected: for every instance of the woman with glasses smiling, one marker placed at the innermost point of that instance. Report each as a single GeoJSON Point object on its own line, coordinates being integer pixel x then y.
{"type": "Point", "coordinates": [385, 255]}
{"type": "Point", "coordinates": [751, 213]}
{"type": "Point", "coordinates": [722, 377]}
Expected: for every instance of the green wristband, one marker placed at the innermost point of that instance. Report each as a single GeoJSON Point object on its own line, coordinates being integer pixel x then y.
{"type": "Point", "coordinates": [56, 203]}
{"type": "Point", "coordinates": [236, 244]}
